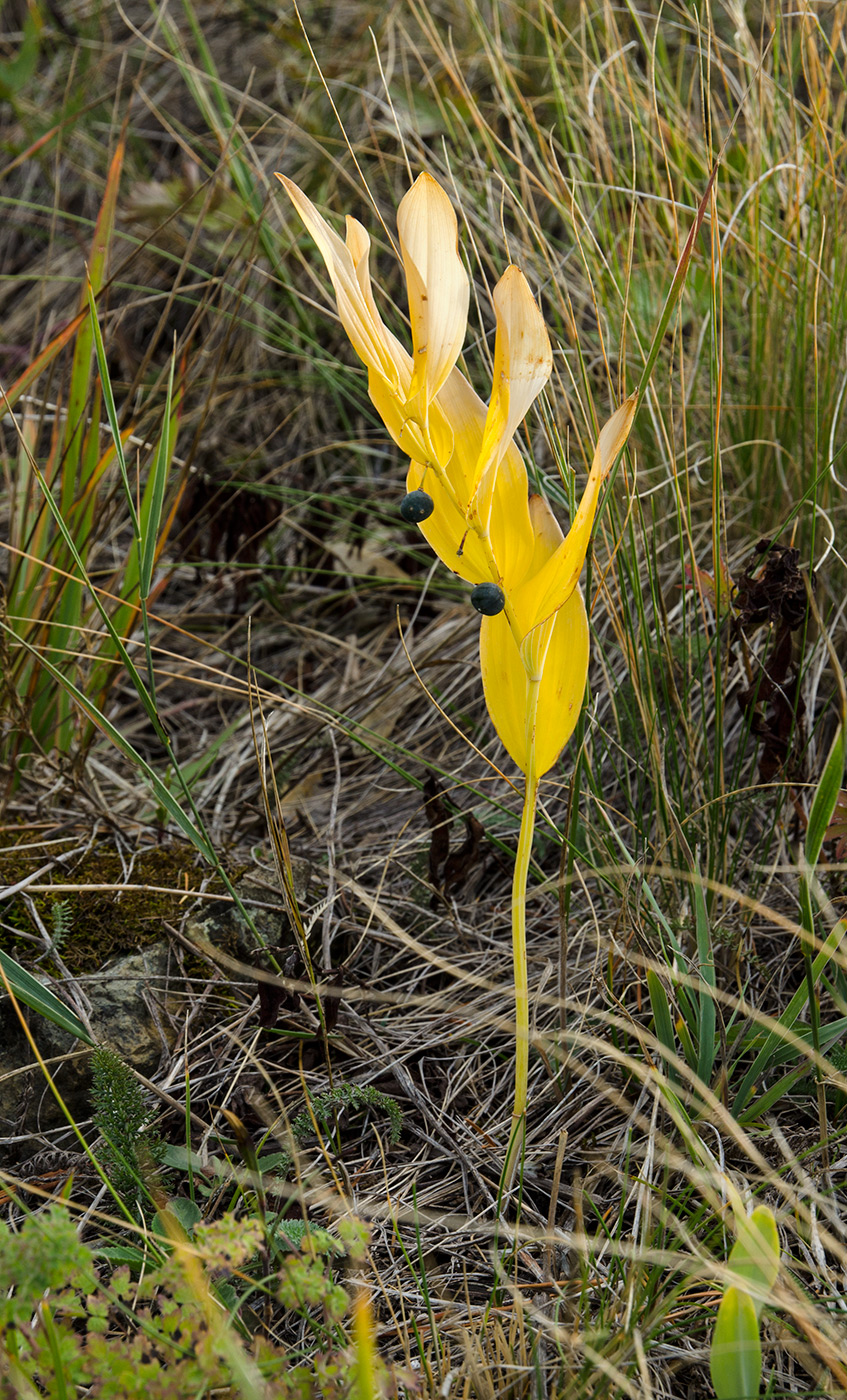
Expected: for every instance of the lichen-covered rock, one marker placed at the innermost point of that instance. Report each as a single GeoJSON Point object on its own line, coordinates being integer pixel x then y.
{"type": "Point", "coordinates": [131, 998]}
{"type": "Point", "coordinates": [224, 925]}
{"type": "Point", "coordinates": [135, 1004]}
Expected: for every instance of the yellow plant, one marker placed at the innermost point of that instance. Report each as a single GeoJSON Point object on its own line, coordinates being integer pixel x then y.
{"type": "Point", "coordinates": [468, 493]}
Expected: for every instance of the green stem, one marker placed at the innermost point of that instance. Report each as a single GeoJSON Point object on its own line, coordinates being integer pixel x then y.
{"type": "Point", "coordinates": [524, 851]}
{"type": "Point", "coordinates": [523, 856]}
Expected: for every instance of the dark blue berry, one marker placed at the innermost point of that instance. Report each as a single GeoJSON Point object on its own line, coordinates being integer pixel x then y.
{"type": "Point", "coordinates": [417, 506]}
{"type": "Point", "coordinates": [488, 599]}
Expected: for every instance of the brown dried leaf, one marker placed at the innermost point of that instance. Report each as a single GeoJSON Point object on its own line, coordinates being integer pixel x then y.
{"type": "Point", "coordinates": [775, 592]}
{"type": "Point", "coordinates": [272, 996]}
{"type": "Point", "coordinates": [439, 823]}
{"type": "Point", "coordinates": [460, 864]}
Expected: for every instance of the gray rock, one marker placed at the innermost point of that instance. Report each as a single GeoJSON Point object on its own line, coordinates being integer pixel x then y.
{"type": "Point", "coordinates": [225, 926]}
{"type": "Point", "coordinates": [129, 1004]}
{"type": "Point", "coordinates": [132, 999]}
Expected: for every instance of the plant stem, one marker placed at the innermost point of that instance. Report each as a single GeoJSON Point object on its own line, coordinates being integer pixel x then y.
{"type": "Point", "coordinates": [523, 856]}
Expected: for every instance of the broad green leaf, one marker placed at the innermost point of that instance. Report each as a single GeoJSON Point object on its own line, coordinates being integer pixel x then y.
{"type": "Point", "coordinates": [118, 1254]}
{"type": "Point", "coordinates": [186, 1213]}
{"type": "Point", "coordinates": [662, 1018]}
{"type": "Point", "coordinates": [39, 998]}
{"type": "Point", "coordinates": [755, 1255]}
{"type": "Point", "coordinates": [825, 799]}
{"type": "Point", "coordinates": [175, 1155]}
{"type": "Point", "coordinates": [735, 1361]}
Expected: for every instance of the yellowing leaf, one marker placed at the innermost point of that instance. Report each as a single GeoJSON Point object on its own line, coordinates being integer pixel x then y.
{"type": "Point", "coordinates": [446, 530]}
{"type": "Point", "coordinates": [523, 361]}
{"type": "Point", "coordinates": [546, 530]}
{"type": "Point", "coordinates": [501, 503]}
{"type": "Point", "coordinates": [483, 526]}
{"type": "Point", "coordinates": [437, 284]}
{"type": "Point", "coordinates": [562, 686]}
{"type": "Point", "coordinates": [406, 430]}
{"type": "Point", "coordinates": [551, 586]}
{"type": "Point", "coordinates": [347, 265]}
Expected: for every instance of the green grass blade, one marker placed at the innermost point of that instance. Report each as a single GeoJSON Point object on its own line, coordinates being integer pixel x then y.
{"type": "Point", "coordinates": [705, 956]}
{"type": "Point", "coordinates": [161, 792]}
{"type": "Point", "coordinates": [15, 73]}
{"type": "Point", "coordinates": [111, 410]}
{"type": "Point", "coordinates": [74, 437]}
{"type": "Point", "coordinates": [218, 115]}
{"type": "Point", "coordinates": [154, 495]}
{"type": "Point", "coordinates": [39, 998]}
{"type": "Point", "coordinates": [772, 1096]}
{"type": "Point", "coordinates": [675, 290]}
{"type": "Point", "coordinates": [663, 1020]}
{"type": "Point", "coordinates": [131, 669]}
{"type": "Point", "coordinates": [786, 1021]}
{"type": "Point", "coordinates": [826, 796]}
{"type": "Point", "coordinates": [823, 806]}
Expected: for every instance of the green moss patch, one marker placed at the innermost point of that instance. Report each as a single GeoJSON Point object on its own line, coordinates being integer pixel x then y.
{"type": "Point", "coordinates": [108, 911]}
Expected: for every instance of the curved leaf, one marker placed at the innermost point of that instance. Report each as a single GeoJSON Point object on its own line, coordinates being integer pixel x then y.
{"type": "Point", "coordinates": [755, 1255]}
{"type": "Point", "coordinates": [39, 998]}
{"type": "Point", "coordinates": [735, 1362]}
{"type": "Point", "coordinates": [563, 671]}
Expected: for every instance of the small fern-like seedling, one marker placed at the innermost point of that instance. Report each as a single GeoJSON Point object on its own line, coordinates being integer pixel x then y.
{"type": "Point", "coordinates": [838, 1058]}
{"type": "Point", "coordinates": [61, 917]}
{"type": "Point", "coordinates": [132, 1149]}
{"type": "Point", "coordinates": [326, 1105]}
